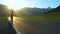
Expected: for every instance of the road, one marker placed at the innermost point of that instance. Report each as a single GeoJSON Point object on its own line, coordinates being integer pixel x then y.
{"type": "Point", "coordinates": [21, 23]}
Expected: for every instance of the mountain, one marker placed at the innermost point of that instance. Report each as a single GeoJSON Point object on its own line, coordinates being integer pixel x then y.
{"type": "Point", "coordinates": [52, 14]}
{"type": "Point", "coordinates": [57, 9]}
{"type": "Point", "coordinates": [33, 11]}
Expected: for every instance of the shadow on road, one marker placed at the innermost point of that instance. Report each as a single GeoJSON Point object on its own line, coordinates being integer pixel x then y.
{"type": "Point", "coordinates": [6, 26]}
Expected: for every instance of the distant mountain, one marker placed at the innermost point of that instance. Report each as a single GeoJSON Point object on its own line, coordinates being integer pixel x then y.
{"type": "Point", "coordinates": [33, 11]}
{"type": "Point", "coordinates": [55, 9]}
{"type": "Point", "coordinates": [52, 14]}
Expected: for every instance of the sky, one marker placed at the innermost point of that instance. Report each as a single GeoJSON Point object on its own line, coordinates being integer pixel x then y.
{"type": "Point", "coordinates": [31, 3]}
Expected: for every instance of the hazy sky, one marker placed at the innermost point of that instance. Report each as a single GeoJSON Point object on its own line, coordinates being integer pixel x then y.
{"type": "Point", "coordinates": [31, 3]}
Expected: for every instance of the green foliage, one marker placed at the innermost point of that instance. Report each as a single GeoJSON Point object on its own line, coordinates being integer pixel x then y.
{"type": "Point", "coordinates": [4, 10]}
{"type": "Point", "coordinates": [53, 15]}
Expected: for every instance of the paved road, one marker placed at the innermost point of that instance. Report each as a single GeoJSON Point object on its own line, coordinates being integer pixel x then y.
{"type": "Point", "coordinates": [14, 26]}
{"type": "Point", "coordinates": [52, 24]}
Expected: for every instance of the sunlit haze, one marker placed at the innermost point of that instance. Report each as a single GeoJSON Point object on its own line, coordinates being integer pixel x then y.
{"type": "Point", "coordinates": [17, 4]}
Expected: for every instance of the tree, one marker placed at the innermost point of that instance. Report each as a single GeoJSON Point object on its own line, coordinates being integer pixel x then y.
{"type": "Point", "coordinates": [4, 10]}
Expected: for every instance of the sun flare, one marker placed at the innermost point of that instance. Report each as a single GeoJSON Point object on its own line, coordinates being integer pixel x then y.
{"type": "Point", "coordinates": [15, 4]}
{"type": "Point", "coordinates": [16, 20]}
{"type": "Point", "coordinates": [9, 18]}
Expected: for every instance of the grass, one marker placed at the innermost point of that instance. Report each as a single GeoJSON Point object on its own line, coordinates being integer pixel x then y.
{"type": "Point", "coordinates": [53, 15]}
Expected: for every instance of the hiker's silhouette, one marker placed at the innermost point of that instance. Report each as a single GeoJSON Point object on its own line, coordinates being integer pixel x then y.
{"type": "Point", "coordinates": [11, 11]}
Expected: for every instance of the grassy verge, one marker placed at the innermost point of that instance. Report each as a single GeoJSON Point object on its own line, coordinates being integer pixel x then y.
{"type": "Point", "coordinates": [55, 15]}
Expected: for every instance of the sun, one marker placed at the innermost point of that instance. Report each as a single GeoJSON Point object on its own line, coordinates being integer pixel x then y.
{"type": "Point", "coordinates": [15, 4]}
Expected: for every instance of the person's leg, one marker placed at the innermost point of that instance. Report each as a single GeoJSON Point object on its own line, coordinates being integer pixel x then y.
{"type": "Point", "coordinates": [12, 19]}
